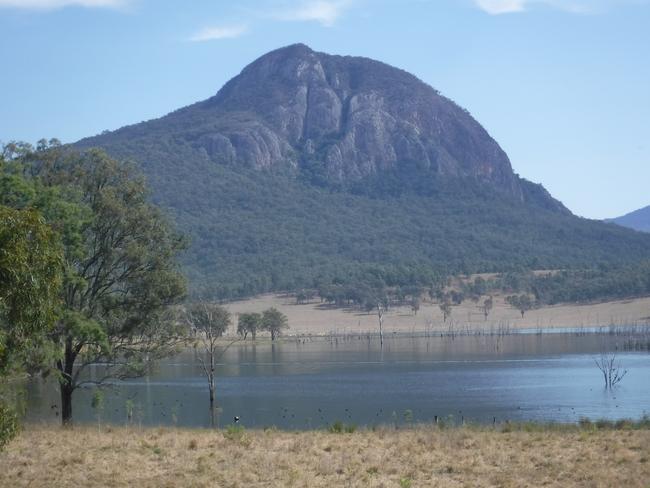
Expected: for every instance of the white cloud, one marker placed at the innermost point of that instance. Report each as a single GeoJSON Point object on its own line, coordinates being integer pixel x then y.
{"type": "Point", "coordinates": [326, 12]}
{"type": "Point", "coordinates": [496, 7]}
{"type": "Point", "coordinates": [220, 32]}
{"type": "Point", "coordinates": [54, 4]}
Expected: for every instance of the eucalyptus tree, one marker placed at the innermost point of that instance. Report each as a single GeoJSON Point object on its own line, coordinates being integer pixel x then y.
{"type": "Point", "coordinates": [120, 272]}
{"type": "Point", "coordinates": [274, 321]}
{"type": "Point", "coordinates": [30, 279]}
{"type": "Point", "coordinates": [249, 323]}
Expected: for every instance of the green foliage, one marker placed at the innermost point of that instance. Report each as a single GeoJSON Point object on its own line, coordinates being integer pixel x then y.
{"type": "Point", "coordinates": [234, 432]}
{"type": "Point", "coordinates": [9, 425]}
{"type": "Point", "coordinates": [256, 231]}
{"type": "Point", "coordinates": [30, 281]}
{"type": "Point", "coordinates": [207, 318]}
{"type": "Point", "coordinates": [274, 321]}
{"type": "Point", "coordinates": [249, 323]}
{"type": "Point", "coordinates": [405, 482]}
{"type": "Point", "coordinates": [594, 283]}
{"type": "Point", "coordinates": [120, 271]}
{"type": "Point", "coordinates": [339, 427]}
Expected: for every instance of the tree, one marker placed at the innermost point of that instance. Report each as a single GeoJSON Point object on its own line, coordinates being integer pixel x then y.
{"type": "Point", "coordinates": [523, 303]}
{"type": "Point", "coordinates": [208, 323]}
{"type": "Point", "coordinates": [610, 369]}
{"type": "Point", "coordinates": [488, 304]}
{"type": "Point", "coordinates": [31, 259]}
{"type": "Point", "coordinates": [249, 323]}
{"type": "Point", "coordinates": [445, 308]}
{"type": "Point", "coordinates": [415, 305]}
{"type": "Point", "coordinates": [120, 269]}
{"type": "Point", "coordinates": [274, 321]}
{"type": "Point", "coordinates": [380, 317]}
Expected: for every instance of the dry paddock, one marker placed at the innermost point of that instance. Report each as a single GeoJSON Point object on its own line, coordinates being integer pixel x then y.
{"type": "Point", "coordinates": [420, 456]}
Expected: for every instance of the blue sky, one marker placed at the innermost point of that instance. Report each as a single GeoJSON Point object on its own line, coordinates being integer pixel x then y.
{"type": "Point", "coordinates": [562, 85]}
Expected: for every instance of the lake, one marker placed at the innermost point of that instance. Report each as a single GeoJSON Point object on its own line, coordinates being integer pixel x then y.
{"type": "Point", "coordinates": [308, 383]}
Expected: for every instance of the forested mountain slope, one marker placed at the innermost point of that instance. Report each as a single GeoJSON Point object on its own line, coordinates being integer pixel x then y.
{"type": "Point", "coordinates": [309, 168]}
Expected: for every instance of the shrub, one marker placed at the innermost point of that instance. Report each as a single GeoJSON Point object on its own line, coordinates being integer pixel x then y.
{"type": "Point", "coordinates": [8, 425]}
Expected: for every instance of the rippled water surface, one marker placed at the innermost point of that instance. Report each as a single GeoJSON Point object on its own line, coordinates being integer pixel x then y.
{"type": "Point", "coordinates": [311, 383]}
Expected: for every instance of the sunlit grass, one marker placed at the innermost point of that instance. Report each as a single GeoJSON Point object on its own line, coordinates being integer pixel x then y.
{"type": "Point", "coordinates": [601, 453]}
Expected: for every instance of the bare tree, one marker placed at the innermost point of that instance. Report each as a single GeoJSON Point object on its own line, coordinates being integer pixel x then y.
{"type": "Point", "coordinates": [610, 369]}
{"type": "Point", "coordinates": [208, 323]}
{"type": "Point", "coordinates": [380, 316]}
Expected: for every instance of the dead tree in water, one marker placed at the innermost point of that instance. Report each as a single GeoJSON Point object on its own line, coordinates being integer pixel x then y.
{"type": "Point", "coordinates": [380, 316]}
{"type": "Point", "coordinates": [208, 323]}
{"type": "Point", "coordinates": [610, 369]}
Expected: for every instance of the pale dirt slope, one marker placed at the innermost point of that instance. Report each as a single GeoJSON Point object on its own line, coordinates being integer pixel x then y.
{"type": "Point", "coordinates": [316, 319]}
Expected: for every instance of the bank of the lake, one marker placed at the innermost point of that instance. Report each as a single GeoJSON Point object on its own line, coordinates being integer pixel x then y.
{"type": "Point", "coordinates": [526, 455]}
{"type": "Point", "coordinates": [315, 318]}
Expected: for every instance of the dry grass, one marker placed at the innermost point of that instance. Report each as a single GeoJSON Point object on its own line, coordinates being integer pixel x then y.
{"type": "Point", "coordinates": [423, 456]}
{"type": "Point", "coordinates": [315, 319]}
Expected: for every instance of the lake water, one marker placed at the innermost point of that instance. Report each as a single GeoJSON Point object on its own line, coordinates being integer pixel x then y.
{"type": "Point", "coordinates": [311, 383]}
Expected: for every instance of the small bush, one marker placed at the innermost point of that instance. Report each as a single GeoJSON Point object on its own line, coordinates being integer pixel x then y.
{"type": "Point", "coordinates": [339, 427]}
{"type": "Point", "coordinates": [234, 432]}
{"type": "Point", "coordinates": [405, 482]}
{"type": "Point", "coordinates": [8, 425]}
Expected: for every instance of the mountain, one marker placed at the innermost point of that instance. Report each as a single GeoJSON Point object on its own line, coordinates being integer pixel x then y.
{"type": "Point", "coordinates": [309, 168]}
{"type": "Point", "coordinates": [637, 220]}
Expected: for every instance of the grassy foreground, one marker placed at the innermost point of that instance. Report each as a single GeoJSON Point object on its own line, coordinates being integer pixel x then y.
{"type": "Point", "coordinates": [420, 456]}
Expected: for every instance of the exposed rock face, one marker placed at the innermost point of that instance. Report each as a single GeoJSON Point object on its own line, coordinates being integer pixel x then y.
{"type": "Point", "coordinates": [353, 116]}
{"type": "Point", "coordinates": [357, 115]}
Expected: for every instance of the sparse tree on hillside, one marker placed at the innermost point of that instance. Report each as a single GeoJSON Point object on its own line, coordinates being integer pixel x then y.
{"type": "Point", "coordinates": [415, 305]}
{"type": "Point", "coordinates": [445, 308]}
{"type": "Point", "coordinates": [274, 321]}
{"type": "Point", "coordinates": [523, 303]}
{"type": "Point", "coordinates": [488, 304]}
{"type": "Point", "coordinates": [249, 323]}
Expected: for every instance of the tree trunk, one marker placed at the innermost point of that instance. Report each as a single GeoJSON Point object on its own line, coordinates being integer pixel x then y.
{"type": "Point", "coordinates": [66, 403]}
{"type": "Point", "coordinates": [65, 383]}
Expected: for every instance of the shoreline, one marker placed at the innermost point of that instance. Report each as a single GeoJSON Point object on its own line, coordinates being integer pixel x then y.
{"type": "Point", "coordinates": [318, 320]}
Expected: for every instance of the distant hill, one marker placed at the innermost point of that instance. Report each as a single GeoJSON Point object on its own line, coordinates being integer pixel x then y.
{"type": "Point", "coordinates": [637, 220]}
{"type": "Point", "coordinates": [309, 168]}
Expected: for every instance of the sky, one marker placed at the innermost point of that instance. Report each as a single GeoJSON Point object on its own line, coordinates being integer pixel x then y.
{"type": "Point", "coordinates": [562, 85]}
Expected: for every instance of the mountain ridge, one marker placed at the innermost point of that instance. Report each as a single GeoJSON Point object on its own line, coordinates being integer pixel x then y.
{"type": "Point", "coordinates": [637, 219]}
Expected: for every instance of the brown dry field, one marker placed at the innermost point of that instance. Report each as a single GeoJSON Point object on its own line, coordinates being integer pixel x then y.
{"type": "Point", "coordinates": [316, 319]}
{"type": "Point", "coordinates": [419, 457]}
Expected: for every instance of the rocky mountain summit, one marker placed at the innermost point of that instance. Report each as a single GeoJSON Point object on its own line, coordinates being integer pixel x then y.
{"type": "Point", "coordinates": [344, 118]}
